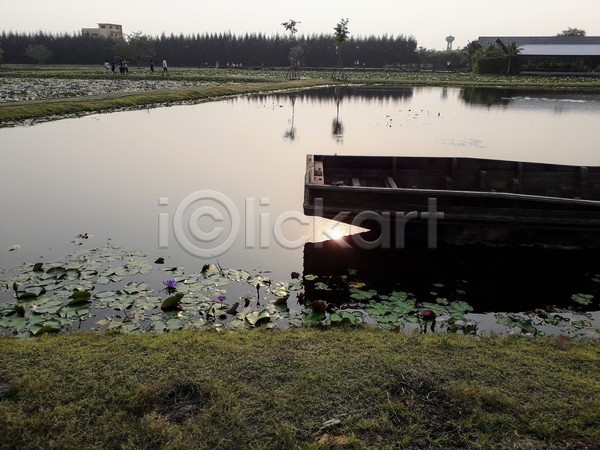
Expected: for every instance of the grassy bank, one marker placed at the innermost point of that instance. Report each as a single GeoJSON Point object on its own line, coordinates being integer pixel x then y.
{"type": "Point", "coordinates": [310, 389]}
{"type": "Point", "coordinates": [18, 111]}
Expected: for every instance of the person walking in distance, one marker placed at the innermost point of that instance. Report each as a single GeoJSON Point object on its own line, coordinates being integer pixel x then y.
{"type": "Point", "coordinates": [165, 68]}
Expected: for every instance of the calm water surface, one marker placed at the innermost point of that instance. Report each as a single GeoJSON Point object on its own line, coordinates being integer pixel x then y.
{"type": "Point", "coordinates": [104, 174]}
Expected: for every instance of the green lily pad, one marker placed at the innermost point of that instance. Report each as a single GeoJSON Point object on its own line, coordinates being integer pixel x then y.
{"type": "Point", "coordinates": [255, 318]}
{"type": "Point", "coordinates": [79, 297]}
{"type": "Point", "coordinates": [37, 290]}
{"type": "Point", "coordinates": [51, 307]}
{"type": "Point", "coordinates": [461, 307]}
{"type": "Point", "coordinates": [38, 330]}
{"type": "Point", "coordinates": [343, 317]}
{"type": "Point", "coordinates": [313, 318]}
{"type": "Point", "coordinates": [583, 299]}
{"type": "Point", "coordinates": [172, 302]}
{"type": "Point", "coordinates": [27, 296]}
{"type": "Point", "coordinates": [13, 322]}
{"type": "Point", "coordinates": [73, 274]}
{"type": "Point", "coordinates": [435, 307]}
{"type": "Point", "coordinates": [360, 295]}
{"type": "Point", "coordinates": [174, 324]}
{"type": "Point", "coordinates": [56, 272]}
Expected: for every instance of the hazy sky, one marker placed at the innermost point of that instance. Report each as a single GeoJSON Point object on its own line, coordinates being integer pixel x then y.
{"type": "Point", "coordinates": [429, 21]}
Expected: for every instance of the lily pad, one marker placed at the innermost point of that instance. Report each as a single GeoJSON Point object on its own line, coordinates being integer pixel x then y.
{"type": "Point", "coordinates": [172, 302]}
{"type": "Point", "coordinates": [343, 317]}
{"type": "Point", "coordinates": [255, 318]}
{"type": "Point", "coordinates": [461, 307]}
{"type": "Point", "coordinates": [56, 272]}
{"type": "Point", "coordinates": [360, 295]}
{"type": "Point", "coordinates": [79, 297]}
{"type": "Point", "coordinates": [583, 299]}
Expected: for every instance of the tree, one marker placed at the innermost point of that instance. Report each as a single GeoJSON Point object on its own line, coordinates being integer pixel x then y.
{"type": "Point", "coordinates": [572, 32]}
{"type": "Point", "coordinates": [38, 52]}
{"type": "Point", "coordinates": [512, 52]}
{"type": "Point", "coordinates": [470, 49]}
{"type": "Point", "coordinates": [1, 53]}
{"type": "Point", "coordinates": [138, 47]}
{"type": "Point", "coordinates": [296, 51]}
{"type": "Point", "coordinates": [340, 36]}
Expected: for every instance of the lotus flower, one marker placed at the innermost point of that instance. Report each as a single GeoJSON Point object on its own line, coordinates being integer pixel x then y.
{"type": "Point", "coordinates": [171, 285]}
{"type": "Point", "coordinates": [428, 315]}
{"type": "Point", "coordinates": [222, 298]}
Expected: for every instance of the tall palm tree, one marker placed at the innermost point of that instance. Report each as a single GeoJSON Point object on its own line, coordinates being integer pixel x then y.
{"type": "Point", "coordinates": [512, 53]}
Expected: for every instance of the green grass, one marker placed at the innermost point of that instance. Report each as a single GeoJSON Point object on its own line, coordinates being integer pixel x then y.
{"type": "Point", "coordinates": [276, 390]}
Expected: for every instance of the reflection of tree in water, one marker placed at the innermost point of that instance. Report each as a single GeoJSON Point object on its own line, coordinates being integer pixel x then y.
{"type": "Point", "coordinates": [366, 94]}
{"type": "Point", "coordinates": [337, 127]}
{"type": "Point", "coordinates": [485, 96]}
{"type": "Point", "coordinates": [291, 132]}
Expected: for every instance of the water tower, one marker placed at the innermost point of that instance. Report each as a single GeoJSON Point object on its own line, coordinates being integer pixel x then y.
{"type": "Point", "coordinates": [449, 41]}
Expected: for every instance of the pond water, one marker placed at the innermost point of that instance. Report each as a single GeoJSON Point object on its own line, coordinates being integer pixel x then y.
{"type": "Point", "coordinates": [167, 181]}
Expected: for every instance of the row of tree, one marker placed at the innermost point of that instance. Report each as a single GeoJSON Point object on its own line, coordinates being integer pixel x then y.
{"type": "Point", "coordinates": [207, 49]}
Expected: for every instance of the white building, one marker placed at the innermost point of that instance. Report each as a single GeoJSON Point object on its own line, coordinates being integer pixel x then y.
{"type": "Point", "coordinates": [105, 30]}
{"type": "Point", "coordinates": [552, 49]}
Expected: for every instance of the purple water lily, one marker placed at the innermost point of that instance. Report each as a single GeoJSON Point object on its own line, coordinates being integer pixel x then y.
{"type": "Point", "coordinates": [171, 285]}
{"type": "Point", "coordinates": [222, 298]}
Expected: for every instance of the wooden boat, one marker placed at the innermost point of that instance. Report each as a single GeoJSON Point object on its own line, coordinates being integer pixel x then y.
{"type": "Point", "coordinates": [471, 200]}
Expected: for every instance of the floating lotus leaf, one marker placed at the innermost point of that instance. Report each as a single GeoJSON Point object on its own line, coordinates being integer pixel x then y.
{"type": "Point", "coordinates": [295, 286]}
{"type": "Point", "coordinates": [56, 272]}
{"type": "Point", "coordinates": [379, 309]}
{"type": "Point", "coordinates": [13, 321]}
{"type": "Point", "coordinates": [51, 306]}
{"type": "Point", "coordinates": [79, 297]}
{"type": "Point", "coordinates": [73, 274]}
{"type": "Point", "coordinates": [462, 307]}
{"type": "Point", "coordinates": [280, 289]}
{"type": "Point", "coordinates": [437, 309]}
{"type": "Point", "coordinates": [27, 296]}
{"type": "Point", "coordinates": [172, 302]}
{"type": "Point", "coordinates": [583, 299]}
{"type": "Point", "coordinates": [344, 317]}
{"type": "Point", "coordinates": [360, 295]}
{"type": "Point", "coordinates": [174, 324]}
{"type": "Point", "coordinates": [313, 318]}
{"type": "Point", "coordinates": [259, 281]}
{"type": "Point", "coordinates": [322, 286]}
{"type": "Point", "coordinates": [38, 330]}
{"type": "Point", "coordinates": [210, 269]}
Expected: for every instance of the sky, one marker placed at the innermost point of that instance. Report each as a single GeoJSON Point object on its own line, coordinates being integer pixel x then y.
{"type": "Point", "coordinates": [429, 21]}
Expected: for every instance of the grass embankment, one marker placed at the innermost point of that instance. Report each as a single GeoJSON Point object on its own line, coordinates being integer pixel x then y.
{"type": "Point", "coordinates": [278, 389]}
{"type": "Point", "coordinates": [80, 105]}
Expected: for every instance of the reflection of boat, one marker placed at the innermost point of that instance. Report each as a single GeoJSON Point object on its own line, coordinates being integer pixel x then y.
{"type": "Point", "coordinates": [488, 278]}
{"type": "Point", "coordinates": [459, 200]}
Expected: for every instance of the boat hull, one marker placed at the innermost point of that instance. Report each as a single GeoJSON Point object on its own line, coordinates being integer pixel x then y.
{"type": "Point", "coordinates": [454, 216]}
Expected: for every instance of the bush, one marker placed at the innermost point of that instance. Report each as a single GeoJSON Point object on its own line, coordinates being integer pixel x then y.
{"type": "Point", "coordinates": [493, 65]}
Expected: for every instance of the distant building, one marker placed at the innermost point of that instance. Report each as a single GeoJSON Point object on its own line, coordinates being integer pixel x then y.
{"type": "Point", "coordinates": [553, 51]}
{"type": "Point", "coordinates": [105, 30]}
